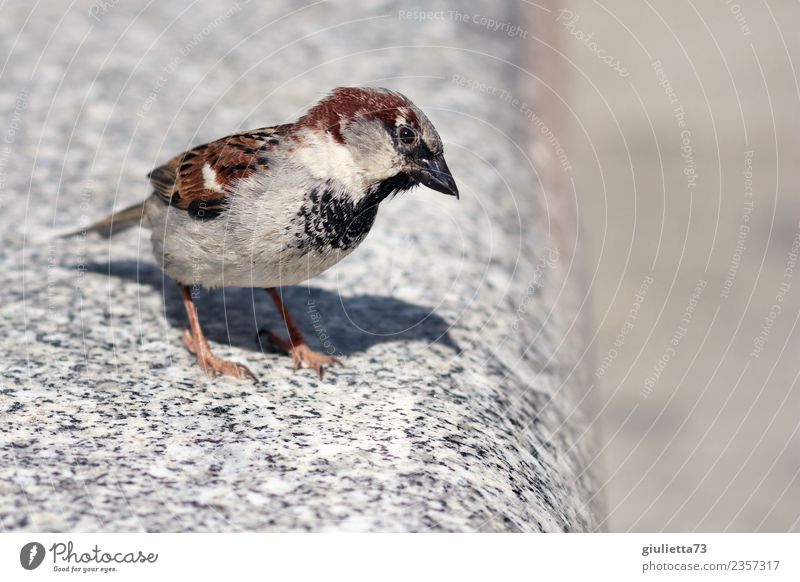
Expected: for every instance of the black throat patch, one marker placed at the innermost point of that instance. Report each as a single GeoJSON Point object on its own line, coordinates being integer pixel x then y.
{"type": "Point", "coordinates": [335, 221]}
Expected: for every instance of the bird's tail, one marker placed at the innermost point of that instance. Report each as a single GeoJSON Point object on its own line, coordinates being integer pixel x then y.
{"type": "Point", "coordinates": [113, 223]}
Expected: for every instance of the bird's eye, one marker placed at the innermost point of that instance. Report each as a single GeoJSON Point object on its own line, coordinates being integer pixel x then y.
{"type": "Point", "coordinates": [406, 134]}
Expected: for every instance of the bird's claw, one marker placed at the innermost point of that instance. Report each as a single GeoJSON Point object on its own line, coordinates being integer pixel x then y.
{"type": "Point", "coordinates": [214, 366]}
{"type": "Point", "coordinates": [302, 354]}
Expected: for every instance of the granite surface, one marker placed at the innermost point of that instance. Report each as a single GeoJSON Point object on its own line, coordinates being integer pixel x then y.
{"type": "Point", "coordinates": [462, 405]}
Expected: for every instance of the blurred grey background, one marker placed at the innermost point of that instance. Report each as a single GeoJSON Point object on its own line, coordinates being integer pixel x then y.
{"type": "Point", "coordinates": [699, 397]}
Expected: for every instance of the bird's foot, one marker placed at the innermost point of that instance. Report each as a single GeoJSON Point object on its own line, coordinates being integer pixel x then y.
{"type": "Point", "coordinates": [302, 354]}
{"type": "Point", "coordinates": [213, 365]}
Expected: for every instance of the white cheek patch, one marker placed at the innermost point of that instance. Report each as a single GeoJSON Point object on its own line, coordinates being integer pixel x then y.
{"type": "Point", "coordinates": [325, 158]}
{"type": "Point", "coordinates": [210, 179]}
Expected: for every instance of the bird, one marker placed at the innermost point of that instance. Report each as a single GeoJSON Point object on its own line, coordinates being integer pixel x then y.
{"type": "Point", "coordinates": [275, 206]}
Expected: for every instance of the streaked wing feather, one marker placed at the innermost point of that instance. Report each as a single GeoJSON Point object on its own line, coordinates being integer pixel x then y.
{"type": "Point", "coordinates": [201, 180]}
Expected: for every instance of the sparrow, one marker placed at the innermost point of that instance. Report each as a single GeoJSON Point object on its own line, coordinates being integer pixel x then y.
{"type": "Point", "coordinates": [275, 206]}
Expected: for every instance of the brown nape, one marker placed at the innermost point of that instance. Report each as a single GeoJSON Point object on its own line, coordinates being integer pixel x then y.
{"type": "Point", "coordinates": [198, 345]}
{"type": "Point", "coordinates": [351, 102]}
{"type": "Point", "coordinates": [296, 345]}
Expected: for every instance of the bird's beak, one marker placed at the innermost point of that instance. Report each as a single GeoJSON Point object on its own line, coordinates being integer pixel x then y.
{"type": "Point", "coordinates": [436, 175]}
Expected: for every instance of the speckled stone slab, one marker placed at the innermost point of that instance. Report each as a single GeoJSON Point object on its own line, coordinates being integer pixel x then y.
{"type": "Point", "coordinates": [462, 404]}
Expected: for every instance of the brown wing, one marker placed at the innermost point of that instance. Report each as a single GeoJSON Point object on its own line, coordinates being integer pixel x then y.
{"type": "Point", "coordinates": [201, 180]}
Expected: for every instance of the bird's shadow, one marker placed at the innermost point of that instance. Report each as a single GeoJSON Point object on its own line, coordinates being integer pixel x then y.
{"type": "Point", "coordinates": [330, 322]}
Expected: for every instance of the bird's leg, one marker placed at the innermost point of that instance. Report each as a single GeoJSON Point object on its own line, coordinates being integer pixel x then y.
{"type": "Point", "coordinates": [198, 345]}
{"type": "Point", "coordinates": [296, 345]}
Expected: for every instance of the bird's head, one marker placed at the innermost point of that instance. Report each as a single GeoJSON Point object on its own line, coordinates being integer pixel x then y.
{"type": "Point", "coordinates": [363, 136]}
